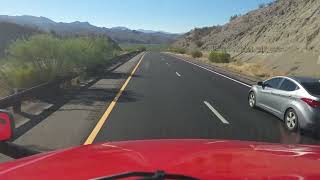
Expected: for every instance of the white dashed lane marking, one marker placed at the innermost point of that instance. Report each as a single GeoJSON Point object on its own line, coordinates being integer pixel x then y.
{"type": "Point", "coordinates": [215, 112]}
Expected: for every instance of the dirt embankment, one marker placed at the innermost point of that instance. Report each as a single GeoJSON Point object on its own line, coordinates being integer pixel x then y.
{"type": "Point", "coordinates": [293, 63]}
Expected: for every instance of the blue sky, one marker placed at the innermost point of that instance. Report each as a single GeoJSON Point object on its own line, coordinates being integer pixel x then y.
{"type": "Point", "coordinates": [167, 15]}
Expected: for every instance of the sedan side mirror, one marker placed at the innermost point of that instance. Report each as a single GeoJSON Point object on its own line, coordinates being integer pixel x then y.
{"type": "Point", "coordinates": [6, 125]}
{"type": "Point", "coordinates": [260, 83]}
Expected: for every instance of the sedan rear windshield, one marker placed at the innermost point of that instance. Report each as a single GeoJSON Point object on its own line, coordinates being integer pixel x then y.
{"type": "Point", "coordinates": [312, 87]}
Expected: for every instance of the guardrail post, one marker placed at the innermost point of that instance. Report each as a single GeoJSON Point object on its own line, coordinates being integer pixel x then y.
{"type": "Point", "coordinates": [17, 105]}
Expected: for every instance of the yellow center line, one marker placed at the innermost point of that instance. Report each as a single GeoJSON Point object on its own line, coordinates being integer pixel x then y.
{"type": "Point", "coordinates": [106, 114]}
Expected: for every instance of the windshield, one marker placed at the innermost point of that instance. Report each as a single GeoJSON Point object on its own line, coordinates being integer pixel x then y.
{"type": "Point", "coordinates": [76, 73]}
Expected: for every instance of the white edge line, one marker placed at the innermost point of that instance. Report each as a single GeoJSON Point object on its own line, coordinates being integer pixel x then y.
{"type": "Point", "coordinates": [222, 119]}
{"type": "Point", "coordinates": [178, 74]}
{"type": "Point", "coordinates": [215, 72]}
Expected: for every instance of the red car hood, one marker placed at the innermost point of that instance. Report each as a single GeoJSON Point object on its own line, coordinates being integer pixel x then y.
{"type": "Point", "coordinates": [203, 159]}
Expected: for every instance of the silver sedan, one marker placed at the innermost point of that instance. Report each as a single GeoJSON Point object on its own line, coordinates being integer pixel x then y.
{"type": "Point", "coordinates": [296, 100]}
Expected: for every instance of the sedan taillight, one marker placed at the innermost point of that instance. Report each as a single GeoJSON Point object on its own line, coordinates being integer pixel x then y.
{"type": "Point", "coordinates": [311, 102]}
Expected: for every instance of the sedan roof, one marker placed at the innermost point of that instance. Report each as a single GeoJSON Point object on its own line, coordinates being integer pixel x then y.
{"type": "Point", "coordinates": [302, 79]}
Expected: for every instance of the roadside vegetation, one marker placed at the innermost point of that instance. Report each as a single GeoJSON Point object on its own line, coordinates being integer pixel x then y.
{"type": "Point", "coordinates": [262, 5]}
{"type": "Point", "coordinates": [233, 17]}
{"type": "Point", "coordinates": [129, 47]}
{"type": "Point", "coordinates": [256, 70]}
{"type": "Point", "coordinates": [224, 60]}
{"type": "Point", "coordinates": [44, 57]}
{"type": "Point", "coordinates": [219, 57]}
{"type": "Point", "coordinates": [132, 47]}
{"type": "Point", "coordinates": [177, 50]}
{"type": "Point", "coordinates": [196, 54]}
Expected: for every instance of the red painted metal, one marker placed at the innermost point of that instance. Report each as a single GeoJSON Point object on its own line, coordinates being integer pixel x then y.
{"type": "Point", "coordinates": [203, 159]}
{"type": "Point", "coordinates": [5, 127]}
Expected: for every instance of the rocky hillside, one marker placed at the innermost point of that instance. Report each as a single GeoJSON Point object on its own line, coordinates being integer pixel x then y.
{"type": "Point", "coordinates": [10, 32]}
{"type": "Point", "coordinates": [279, 26]}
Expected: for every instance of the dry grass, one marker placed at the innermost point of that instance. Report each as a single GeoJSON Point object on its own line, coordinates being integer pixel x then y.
{"type": "Point", "coordinates": [256, 70]}
{"type": "Point", "coordinates": [251, 69]}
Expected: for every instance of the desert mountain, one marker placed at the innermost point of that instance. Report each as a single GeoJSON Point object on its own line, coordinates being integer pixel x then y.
{"type": "Point", "coordinates": [119, 34]}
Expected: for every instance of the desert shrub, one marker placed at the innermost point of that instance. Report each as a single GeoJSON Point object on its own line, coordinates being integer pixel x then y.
{"type": "Point", "coordinates": [199, 43]}
{"type": "Point", "coordinates": [131, 47]}
{"type": "Point", "coordinates": [177, 50]}
{"type": "Point", "coordinates": [42, 58]}
{"type": "Point", "coordinates": [142, 48]}
{"type": "Point", "coordinates": [270, 3]}
{"type": "Point", "coordinates": [24, 76]}
{"type": "Point", "coordinates": [219, 57]}
{"type": "Point", "coordinates": [196, 53]}
{"type": "Point", "coordinates": [233, 17]}
{"type": "Point", "coordinates": [262, 5]}
{"type": "Point", "coordinates": [181, 51]}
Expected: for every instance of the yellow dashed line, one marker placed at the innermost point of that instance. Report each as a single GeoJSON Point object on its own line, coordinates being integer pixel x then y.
{"type": "Point", "coordinates": [106, 114]}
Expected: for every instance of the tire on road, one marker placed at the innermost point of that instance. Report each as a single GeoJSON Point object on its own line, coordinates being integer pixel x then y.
{"type": "Point", "coordinates": [291, 120]}
{"type": "Point", "coordinates": [252, 99]}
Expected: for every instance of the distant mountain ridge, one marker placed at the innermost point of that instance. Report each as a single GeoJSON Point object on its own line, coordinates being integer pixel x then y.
{"type": "Point", "coordinates": [152, 31]}
{"type": "Point", "coordinates": [119, 34]}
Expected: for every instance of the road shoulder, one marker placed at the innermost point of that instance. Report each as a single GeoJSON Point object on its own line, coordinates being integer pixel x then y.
{"type": "Point", "coordinates": [71, 124]}
{"type": "Point", "coordinates": [237, 76]}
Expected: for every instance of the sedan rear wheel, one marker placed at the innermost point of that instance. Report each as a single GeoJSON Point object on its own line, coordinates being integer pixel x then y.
{"type": "Point", "coordinates": [252, 99]}
{"type": "Point", "coordinates": [291, 120]}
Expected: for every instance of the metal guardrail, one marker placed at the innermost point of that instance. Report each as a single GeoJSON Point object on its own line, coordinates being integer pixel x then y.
{"type": "Point", "coordinates": [16, 99]}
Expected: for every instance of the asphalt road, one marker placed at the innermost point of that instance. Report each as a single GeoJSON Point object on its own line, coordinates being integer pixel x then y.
{"type": "Point", "coordinates": [169, 98]}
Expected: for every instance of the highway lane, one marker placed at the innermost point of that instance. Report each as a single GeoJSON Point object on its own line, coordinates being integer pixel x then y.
{"type": "Point", "coordinates": [175, 99]}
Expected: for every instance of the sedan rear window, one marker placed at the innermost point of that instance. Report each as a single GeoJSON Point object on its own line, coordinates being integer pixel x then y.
{"type": "Point", "coordinates": [273, 83]}
{"type": "Point", "coordinates": [288, 85]}
{"type": "Point", "coordinates": [312, 87]}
